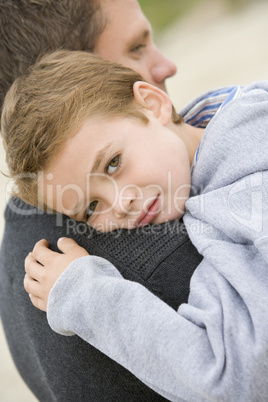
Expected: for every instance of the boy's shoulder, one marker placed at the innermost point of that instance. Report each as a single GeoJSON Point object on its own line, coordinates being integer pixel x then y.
{"type": "Point", "coordinates": [234, 133]}
{"type": "Point", "coordinates": [203, 108]}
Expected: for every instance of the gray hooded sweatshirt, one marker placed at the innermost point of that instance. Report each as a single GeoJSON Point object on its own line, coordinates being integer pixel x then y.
{"type": "Point", "coordinates": [216, 346]}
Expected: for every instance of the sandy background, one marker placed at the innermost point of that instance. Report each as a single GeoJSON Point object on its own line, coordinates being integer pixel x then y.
{"type": "Point", "coordinates": [212, 47]}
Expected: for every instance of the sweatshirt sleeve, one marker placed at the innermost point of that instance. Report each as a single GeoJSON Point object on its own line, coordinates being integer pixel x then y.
{"type": "Point", "coordinates": [213, 348]}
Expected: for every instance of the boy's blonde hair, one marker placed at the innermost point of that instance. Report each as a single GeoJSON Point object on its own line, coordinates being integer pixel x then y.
{"type": "Point", "coordinates": [51, 102]}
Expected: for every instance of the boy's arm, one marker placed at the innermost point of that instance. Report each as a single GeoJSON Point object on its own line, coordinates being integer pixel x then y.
{"type": "Point", "coordinates": [213, 348]}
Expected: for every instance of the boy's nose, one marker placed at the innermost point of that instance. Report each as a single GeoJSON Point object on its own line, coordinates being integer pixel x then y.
{"type": "Point", "coordinates": [119, 213]}
{"type": "Point", "coordinates": [125, 204]}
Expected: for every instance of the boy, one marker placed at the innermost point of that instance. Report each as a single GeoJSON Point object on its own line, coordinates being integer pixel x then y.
{"type": "Point", "coordinates": [199, 351]}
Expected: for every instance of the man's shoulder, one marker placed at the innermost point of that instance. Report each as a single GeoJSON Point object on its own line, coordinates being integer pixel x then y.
{"type": "Point", "coordinates": [18, 210]}
{"type": "Point", "coordinates": [25, 225]}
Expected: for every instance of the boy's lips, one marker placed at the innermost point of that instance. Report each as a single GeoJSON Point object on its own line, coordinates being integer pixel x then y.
{"type": "Point", "coordinates": [148, 215]}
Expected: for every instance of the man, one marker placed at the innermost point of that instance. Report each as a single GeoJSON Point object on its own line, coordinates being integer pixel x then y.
{"type": "Point", "coordinates": [57, 368]}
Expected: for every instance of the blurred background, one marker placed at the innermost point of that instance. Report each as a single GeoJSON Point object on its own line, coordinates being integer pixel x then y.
{"type": "Point", "coordinates": [213, 43]}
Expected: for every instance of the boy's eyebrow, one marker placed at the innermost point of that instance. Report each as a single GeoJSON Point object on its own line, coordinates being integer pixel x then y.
{"type": "Point", "coordinates": [99, 157]}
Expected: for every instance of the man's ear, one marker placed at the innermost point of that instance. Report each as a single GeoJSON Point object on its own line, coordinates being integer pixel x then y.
{"type": "Point", "coordinates": [154, 100]}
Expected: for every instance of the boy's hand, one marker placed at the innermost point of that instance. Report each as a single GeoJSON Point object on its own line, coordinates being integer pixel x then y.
{"type": "Point", "coordinates": [43, 267]}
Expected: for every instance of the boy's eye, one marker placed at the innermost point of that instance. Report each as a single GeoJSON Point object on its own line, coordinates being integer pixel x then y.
{"type": "Point", "coordinates": [113, 164]}
{"type": "Point", "coordinates": [91, 208]}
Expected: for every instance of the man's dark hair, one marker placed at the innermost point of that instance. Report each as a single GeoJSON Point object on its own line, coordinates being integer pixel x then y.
{"type": "Point", "coordinates": [31, 28]}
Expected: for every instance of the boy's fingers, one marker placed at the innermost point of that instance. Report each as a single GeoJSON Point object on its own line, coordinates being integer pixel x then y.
{"type": "Point", "coordinates": [33, 268]}
{"type": "Point", "coordinates": [65, 244]}
{"type": "Point", "coordinates": [31, 286]}
{"type": "Point", "coordinates": [41, 252]}
{"type": "Point", "coordinates": [41, 243]}
{"type": "Point", "coordinates": [38, 303]}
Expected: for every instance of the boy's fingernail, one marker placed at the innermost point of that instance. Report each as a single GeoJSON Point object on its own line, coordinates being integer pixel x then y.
{"type": "Point", "coordinates": [62, 238]}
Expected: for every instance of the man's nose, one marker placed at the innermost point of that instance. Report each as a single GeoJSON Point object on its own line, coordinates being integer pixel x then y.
{"type": "Point", "coordinates": [162, 68]}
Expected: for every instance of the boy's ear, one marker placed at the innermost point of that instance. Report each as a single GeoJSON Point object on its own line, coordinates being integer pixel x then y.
{"type": "Point", "coordinates": [154, 100]}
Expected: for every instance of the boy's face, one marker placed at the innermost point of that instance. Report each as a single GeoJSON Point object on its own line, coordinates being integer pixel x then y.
{"type": "Point", "coordinates": [127, 40]}
{"type": "Point", "coordinates": [120, 174]}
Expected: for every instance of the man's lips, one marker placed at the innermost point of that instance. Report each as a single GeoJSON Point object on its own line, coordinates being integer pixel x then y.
{"type": "Point", "coordinates": [148, 215]}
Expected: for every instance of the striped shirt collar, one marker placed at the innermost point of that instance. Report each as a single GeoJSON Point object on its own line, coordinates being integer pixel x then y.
{"type": "Point", "coordinates": [206, 108]}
